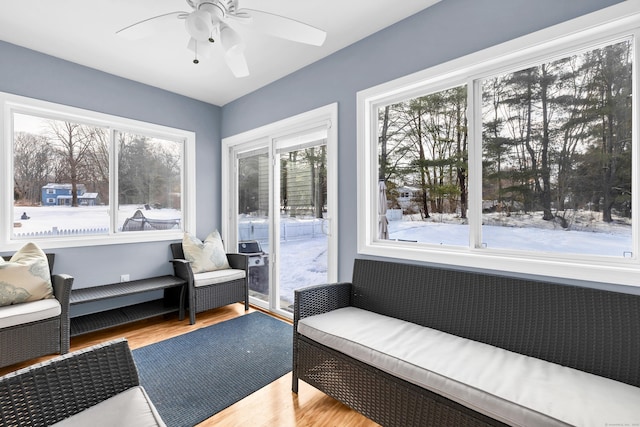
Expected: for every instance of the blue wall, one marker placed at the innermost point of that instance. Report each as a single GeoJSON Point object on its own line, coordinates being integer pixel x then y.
{"type": "Point", "coordinates": [28, 73]}
{"type": "Point", "coordinates": [447, 30]}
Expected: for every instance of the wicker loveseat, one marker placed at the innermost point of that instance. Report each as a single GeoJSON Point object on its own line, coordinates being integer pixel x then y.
{"type": "Point", "coordinates": [96, 386]}
{"type": "Point", "coordinates": [410, 345]}
{"type": "Point", "coordinates": [27, 330]}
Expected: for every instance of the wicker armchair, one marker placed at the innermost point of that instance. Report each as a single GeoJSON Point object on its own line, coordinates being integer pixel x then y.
{"type": "Point", "coordinates": [203, 295]}
{"type": "Point", "coordinates": [22, 342]}
{"type": "Point", "coordinates": [72, 385]}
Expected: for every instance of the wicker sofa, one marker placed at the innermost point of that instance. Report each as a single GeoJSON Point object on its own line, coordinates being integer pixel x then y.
{"type": "Point", "coordinates": [96, 386]}
{"type": "Point", "coordinates": [469, 349]}
{"type": "Point", "coordinates": [27, 331]}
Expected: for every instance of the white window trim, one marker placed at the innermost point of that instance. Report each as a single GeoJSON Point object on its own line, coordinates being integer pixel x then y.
{"type": "Point", "coordinates": [14, 103]}
{"type": "Point", "coordinates": [327, 115]}
{"type": "Point", "coordinates": [580, 33]}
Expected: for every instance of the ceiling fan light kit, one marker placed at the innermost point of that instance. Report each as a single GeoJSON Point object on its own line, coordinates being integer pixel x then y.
{"type": "Point", "coordinates": [211, 19]}
{"type": "Point", "coordinates": [199, 25]}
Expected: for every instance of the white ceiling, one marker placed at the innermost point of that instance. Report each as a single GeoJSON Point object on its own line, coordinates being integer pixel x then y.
{"type": "Point", "coordinates": [84, 32]}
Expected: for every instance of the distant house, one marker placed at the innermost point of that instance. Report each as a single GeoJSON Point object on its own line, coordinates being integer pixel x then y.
{"type": "Point", "coordinates": [88, 199]}
{"type": "Point", "coordinates": [60, 195]}
{"type": "Point", "coordinates": [407, 198]}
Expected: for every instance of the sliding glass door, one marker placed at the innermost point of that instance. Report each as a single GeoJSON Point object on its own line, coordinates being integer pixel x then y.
{"type": "Point", "coordinates": [253, 195]}
{"type": "Point", "coordinates": [302, 232]}
{"type": "Point", "coordinates": [281, 207]}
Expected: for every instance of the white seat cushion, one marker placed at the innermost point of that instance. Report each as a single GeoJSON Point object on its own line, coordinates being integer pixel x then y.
{"type": "Point", "coordinates": [217, 276]}
{"type": "Point", "coordinates": [131, 408]}
{"type": "Point", "coordinates": [18, 314]}
{"type": "Point", "coordinates": [513, 388]}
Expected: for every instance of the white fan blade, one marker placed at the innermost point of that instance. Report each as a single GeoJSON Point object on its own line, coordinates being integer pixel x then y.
{"type": "Point", "coordinates": [285, 28]}
{"type": "Point", "coordinates": [237, 63]}
{"type": "Point", "coordinates": [233, 46]}
{"type": "Point", "coordinates": [149, 27]}
{"type": "Point", "coordinates": [241, 16]}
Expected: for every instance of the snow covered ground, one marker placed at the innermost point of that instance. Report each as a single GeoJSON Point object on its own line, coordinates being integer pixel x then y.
{"type": "Point", "coordinates": [304, 258]}
{"type": "Point", "coordinates": [303, 262]}
{"type": "Point", "coordinates": [82, 220]}
{"type": "Point", "coordinates": [587, 233]}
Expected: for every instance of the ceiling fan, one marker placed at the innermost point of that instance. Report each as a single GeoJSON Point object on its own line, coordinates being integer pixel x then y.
{"type": "Point", "coordinates": [214, 20]}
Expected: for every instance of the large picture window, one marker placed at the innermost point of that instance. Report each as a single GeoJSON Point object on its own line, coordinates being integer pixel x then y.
{"type": "Point", "coordinates": [557, 155]}
{"type": "Point", "coordinates": [518, 158]}
{"type": "Point", "coordinates": [76, 175]}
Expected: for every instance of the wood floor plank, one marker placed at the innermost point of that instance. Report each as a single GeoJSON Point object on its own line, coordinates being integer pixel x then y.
{"type": "Point", "coordinates": [273, 405]}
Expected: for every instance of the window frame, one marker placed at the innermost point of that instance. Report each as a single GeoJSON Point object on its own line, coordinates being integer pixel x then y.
{"type": "Point", "coordinates": [265, 138]}
{"type": "Point", "coordinates": [589, 31]}
{"type": "Point", "coordinates": [18, 104]}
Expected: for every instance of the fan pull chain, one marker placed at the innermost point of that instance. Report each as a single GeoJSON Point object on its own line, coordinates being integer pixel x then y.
{"type": "Point", "coordinates": [195, 59]}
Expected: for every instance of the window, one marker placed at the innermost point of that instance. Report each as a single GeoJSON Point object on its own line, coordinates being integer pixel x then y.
{"type": "Point", "coordinates": [77, 177]}
{"type": "Point", "coordinates": [422, 152]}
{"type": "Point", "coordinates": [519, 158]}
{"type": "Point", "coordinates": [557, 152]}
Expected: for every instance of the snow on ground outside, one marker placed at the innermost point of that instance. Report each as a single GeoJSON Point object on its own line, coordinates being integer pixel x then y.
{"type": "Point", "coordinates": [587, 233]}
{"type": "Point", "coordinates": [304, 261]}
{"type": "Point", "coordinates": [45, 218]}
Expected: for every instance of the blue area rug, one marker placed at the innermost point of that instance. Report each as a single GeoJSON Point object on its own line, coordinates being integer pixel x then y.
{"type": "Point", "coordinates": [193, 376]}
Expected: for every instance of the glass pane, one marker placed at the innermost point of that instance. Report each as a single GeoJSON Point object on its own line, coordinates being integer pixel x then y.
{"type": "Point", "coordinates": [253, 220]}
{"type": "Point", "coordinates": [557, 155]}
{"type": "Point", "coordinates": [149, 183]}
{"type": "Point", "coordinates": [61, 178]}
{"type": "Point", "coordinates": [303, 206]}
{"type": "Point", "coordinates": [422, 169]}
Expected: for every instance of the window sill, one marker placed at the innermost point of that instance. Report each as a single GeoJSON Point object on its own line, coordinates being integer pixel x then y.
{"type": "Point", "coordinates": [615, 271]}
{"type": "Point", "coordinates": [84, 241]}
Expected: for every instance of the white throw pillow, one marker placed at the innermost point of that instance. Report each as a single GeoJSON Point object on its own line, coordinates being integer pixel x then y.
{"type": "Point", "coordinates": [205, 256]}
{"type": "Point", "coordinates": [25, 277]}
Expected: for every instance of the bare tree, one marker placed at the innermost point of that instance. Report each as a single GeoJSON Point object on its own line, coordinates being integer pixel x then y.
{"type": "Point", "coordinates": [31, 166]}
{"type": "Point", "coordinates": [73, 143]}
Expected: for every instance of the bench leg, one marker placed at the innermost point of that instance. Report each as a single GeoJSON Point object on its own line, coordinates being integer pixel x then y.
{"type": "Point", "coordinates": [246, 293]}
{"type": "Point", "coordinates": [183, 292]}
{"type": "Point", "coordinates": [192, 306]}
{"type": "Point", "coordinates": [294, 383]}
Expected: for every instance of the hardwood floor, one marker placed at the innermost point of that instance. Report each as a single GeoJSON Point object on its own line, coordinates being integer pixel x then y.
{"type": "Point", "coordinates": [273, 405]}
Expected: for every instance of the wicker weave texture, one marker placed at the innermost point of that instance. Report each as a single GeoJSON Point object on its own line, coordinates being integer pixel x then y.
{"type": "Point", "coordinates": [203, 298]}
{"type": "Point", "coordinates": [320, 299]}
{"type": "Point", "coordinates": [381, 397]}
{"type": "Point", "coordinates": [314, 300]}
{"type": "Point", "coordinates": [214, 296]}
{"type": "Point", "coordinates": [23, 342]}
{"type": "Point", "coordinates": [62, 284]}
{"type": "Point", "coordinates": [588, 329]}
{"type": "Point", "coordinates": [46, 393]}
{"type": "Point", "coordinates": [48, 336]}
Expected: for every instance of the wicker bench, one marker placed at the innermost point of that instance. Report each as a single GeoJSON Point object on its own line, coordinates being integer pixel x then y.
{"type": "Point", "coordinates": [173, 301]}
{"type": "Point", "coordinates": [576, 332]}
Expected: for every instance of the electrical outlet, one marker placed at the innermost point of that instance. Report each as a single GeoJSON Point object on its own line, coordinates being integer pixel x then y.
{"type": "Point", "coordinates": [124, 278]}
